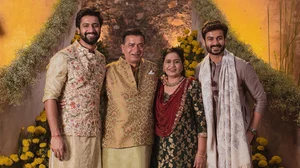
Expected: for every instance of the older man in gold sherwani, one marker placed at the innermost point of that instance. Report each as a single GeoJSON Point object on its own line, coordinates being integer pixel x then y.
{"type": "Point", "coordinates": [130, 87]}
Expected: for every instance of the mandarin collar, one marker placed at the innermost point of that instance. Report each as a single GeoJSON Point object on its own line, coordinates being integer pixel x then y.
{"type": "Point", "coordinates": [82, 48]}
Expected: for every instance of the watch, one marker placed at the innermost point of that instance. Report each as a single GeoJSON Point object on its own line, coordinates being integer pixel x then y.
{"type": "Point", "coordinates": [253, 131]}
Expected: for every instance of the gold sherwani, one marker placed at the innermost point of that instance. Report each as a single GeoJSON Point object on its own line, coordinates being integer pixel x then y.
{"type": "Point", "coordinates": [129, 117]}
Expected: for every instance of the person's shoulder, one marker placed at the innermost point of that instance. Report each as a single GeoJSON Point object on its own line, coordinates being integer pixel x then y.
{"type": "Point", "coordinates": [240, 61]}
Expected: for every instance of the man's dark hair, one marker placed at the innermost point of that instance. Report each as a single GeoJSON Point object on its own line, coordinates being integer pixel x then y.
{"type": "Point", "coordinates": [88, 11]}
{"type": "Point", "coordinates": [134, 32]}
{"type": "Point", "coordinates": [214, 25]}
{"type": "Point", "coordinates": [179, 51]}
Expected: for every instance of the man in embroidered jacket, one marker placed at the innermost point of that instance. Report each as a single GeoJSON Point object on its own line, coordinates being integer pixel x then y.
{"type": "Point", "coordinates": [130, 86]}
{"type": "Point", "coordinates": [75, 76]}
{"type": "Point", "coordinates": [226, 80]}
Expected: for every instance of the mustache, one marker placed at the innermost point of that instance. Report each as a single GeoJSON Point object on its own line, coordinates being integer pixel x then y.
{"type": "Point", "coordinates": [95, 33]}
{"type": "Point", "coordinates": [218, 45]}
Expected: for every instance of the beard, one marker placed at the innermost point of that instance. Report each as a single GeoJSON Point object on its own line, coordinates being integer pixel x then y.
{"type": "Point", "coordinates": [92, 40]}
{"type": "Point", "coordinates": [210, 50]}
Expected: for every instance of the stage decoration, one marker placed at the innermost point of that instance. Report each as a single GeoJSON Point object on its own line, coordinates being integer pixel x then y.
{"type": "Point", "coordinates": [193, 52]}
{"type": "Point", "coordinates": [34, 146]}
{"type": "Point", "coordinates": [261, 156]}
{"type": "Point", "coordinates": [22, 72]}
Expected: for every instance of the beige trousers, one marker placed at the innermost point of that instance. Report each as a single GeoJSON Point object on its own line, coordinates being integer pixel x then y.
{"type": "Point", "coordinates": [133, 157]}
{"type": "Point", "coordinates": [82, 152]}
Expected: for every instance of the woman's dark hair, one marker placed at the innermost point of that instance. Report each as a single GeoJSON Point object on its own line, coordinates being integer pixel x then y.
{"type": "Point", "coordinates": [88, 11]}
{"type": "Point", "coordinates": [214, 25]}
{"type": "Point", "coordinates": [179, 51]}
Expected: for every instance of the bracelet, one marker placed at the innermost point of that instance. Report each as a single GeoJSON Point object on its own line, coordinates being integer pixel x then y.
{"type": "Point", "coordinates": [203, 156]}
{"type": "Point", "coordinates": [57, 135]}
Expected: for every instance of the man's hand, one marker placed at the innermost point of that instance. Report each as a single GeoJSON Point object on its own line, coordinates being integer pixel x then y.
{"type": "Point", "coordinates": [249, 136]}
{"type": "Point", "coordinates": [58, 147]}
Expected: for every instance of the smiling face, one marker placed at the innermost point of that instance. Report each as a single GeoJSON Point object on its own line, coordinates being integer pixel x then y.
{"type": "Point", "coordinates": [89, 31]}
{"type": "Point", "coordinates": [173, 65]}
{"type": "Point", "coordinates": [215, 42]}
{"type": "Point", "coordinates": [133, 49]}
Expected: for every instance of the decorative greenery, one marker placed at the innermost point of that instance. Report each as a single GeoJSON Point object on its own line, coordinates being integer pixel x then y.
{"type": "Point", "coordinates": [23, 71]}
{"type": "Point", "coordinates": [283, 95]}
{"type": "Point", "coordinates": [193, 52]}
{"type": "Point", "coordinates": [260, 155]}
{"type": "Point", "coordinates": [34, 149]}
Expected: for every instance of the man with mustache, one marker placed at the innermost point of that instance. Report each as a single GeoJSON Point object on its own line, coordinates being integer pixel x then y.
{"type": "Point", "coordinates": [226, 80]}
{"type": "Point", "coordinates": [128, 125]}
{"type": "Point", "coordinates": [75, 76]}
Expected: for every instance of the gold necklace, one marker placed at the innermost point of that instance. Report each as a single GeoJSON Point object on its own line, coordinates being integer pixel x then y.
{"type": "Point", "coordinates": [175, 83]}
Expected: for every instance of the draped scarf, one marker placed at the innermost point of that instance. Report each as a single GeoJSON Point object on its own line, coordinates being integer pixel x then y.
{"type": "Point", "coordinates": [227, 145]}
{"type": "Point", "coordinates": [167, 114]}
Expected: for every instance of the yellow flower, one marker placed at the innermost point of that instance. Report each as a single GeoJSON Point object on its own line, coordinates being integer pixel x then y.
{"type": "Point", "coordinates": [258, 139]}
{"type": "Point", "coordinates": [186, 31]}
{"type": "Point", "coordinates": [271, 162]}
{"type": "Point", "coordinates": [26, 142]}
{"type": "Point", "coordinates": [48, 153]}
{"type": "Point", "coordinates": [277, 159]}
{"type": "Point", "coordinates": [43, 118]}
{"type": "Point", "coordinates": [193, 64]}
{"type": "Point", "coordinates": [25, 149]}
{"type": "Point", "coordinates": [253, 157]}
{"type": "Point", "coordinates": [31, 129]}
{"type": "Point", "coordinates": [29, 154]}
{"type": "Point", "coordinates": [38, 118]}
{"type": "Point", "coordinates": [40, 130]}
{"type": "Point", "coordinates": [190, 38]}
{"type": "Point", "coordinates": [195, 43]}
{"type": "Point", "coordinates": [35, 140]}
{"type": "Point", "coordinates": [182, 46]}
{"type": "Point", "coordinates": [179, 39]}
{"type": "Point", "coordinates": [189, 73]}
{"type": "Point", "coordinates": [42, 166]}
{"type": "Point", "coordinates": [187, 50]}
{"type": "Point", "coordinates": [185, 54]}
{"type": "Point", "coordinates": [263, 142]}
{"type": "Point", "coordinates": [14, 157]}
{"type": "Point", "coordinates": [194, 33]}
{"type": "Point", "coordinates": [8, 162]}
{"type": "Point", "coordinates": [28, 165]}
{"type": "Point", "coordinates": [24, 157]}
{"type": "Point", "coordinates": [262, 163]}
{"type": "Point", "coordinates": [42, 145]}
{"type": "Point", "coordinates": [261, 148]}
{"type": "Point", "coordinates": [1, 160]}
{"type": "Point", "coordinates": [38, 160]}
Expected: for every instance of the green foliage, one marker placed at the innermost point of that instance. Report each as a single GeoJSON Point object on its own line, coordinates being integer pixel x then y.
{"type": "Point", "coordinates": [283, 95]}
{"type": "Point", "coordinates": [31, 60]}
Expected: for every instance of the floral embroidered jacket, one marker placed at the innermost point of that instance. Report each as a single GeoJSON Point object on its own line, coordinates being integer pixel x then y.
{"type": "Point", "coordinates": [75, 76]}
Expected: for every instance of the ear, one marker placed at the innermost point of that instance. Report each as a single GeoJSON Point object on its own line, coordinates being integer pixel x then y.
{"type": "Point", "coordinates": [77, 30]}
{"type": "Point", "coordinates": [122, 48]}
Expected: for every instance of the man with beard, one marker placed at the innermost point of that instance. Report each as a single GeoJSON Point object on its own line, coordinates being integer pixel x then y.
{"type": "Point", "coordinates": [75, 76]}
{"type": "Point", "coordinates": [226, 81]}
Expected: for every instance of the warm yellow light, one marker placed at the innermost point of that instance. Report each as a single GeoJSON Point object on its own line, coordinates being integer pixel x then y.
{"type": "Point", "coordinates": [249, 19]}
{"type": "Point", "coordinates": [20, 21]}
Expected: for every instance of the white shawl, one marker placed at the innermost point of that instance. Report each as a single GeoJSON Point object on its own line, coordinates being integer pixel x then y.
{"type": "Point", "coordinates": [232, 150]}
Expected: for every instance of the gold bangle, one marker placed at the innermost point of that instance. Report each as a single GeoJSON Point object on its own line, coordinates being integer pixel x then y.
{"type": "Point", "coordinates": [200, 155]}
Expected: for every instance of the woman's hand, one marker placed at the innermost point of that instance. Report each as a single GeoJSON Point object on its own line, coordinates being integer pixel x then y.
{"type": "Point", "coordinates": [200, 161]}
